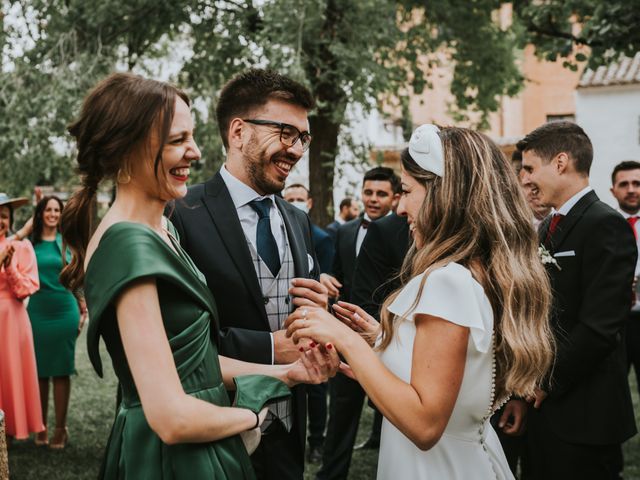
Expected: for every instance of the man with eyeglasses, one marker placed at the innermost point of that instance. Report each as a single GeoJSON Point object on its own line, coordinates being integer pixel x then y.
{"type": "Point", "coordinates": [254, 248]}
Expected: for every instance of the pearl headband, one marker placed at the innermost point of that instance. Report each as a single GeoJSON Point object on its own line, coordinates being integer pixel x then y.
{"type": "Point", "coordinates": [425, 147]}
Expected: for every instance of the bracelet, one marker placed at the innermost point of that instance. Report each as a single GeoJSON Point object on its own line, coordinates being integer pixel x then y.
{"type": "Point", "coordinates": [257, 420]}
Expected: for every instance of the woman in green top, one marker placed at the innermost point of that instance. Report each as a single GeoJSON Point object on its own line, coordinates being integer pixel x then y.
{"type": "Point", "coordinates": [149, 303]}
{"type": "Point", "coordinates": [56, 319]}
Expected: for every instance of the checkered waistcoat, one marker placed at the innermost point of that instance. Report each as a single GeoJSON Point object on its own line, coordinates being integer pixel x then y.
{"type": "Point", "coordinates": [277, 303]}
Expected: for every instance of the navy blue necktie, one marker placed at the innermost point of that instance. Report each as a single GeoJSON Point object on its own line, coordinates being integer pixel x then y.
{"type": "Point", "coordinates": [266, 242]}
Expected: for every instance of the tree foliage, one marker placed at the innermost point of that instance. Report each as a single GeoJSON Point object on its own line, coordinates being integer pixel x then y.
{"type": "Point", "coordinates": [370, 52]}
{"type": "Point", "coordinates": [609, 29]}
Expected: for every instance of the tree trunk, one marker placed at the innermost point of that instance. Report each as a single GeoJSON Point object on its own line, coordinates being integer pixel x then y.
{"type": "Point", "coordinates": [322, 158]}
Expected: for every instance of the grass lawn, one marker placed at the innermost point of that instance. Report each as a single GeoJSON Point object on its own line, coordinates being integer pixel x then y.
{"type": "Point", "coordinates": [91, 413]}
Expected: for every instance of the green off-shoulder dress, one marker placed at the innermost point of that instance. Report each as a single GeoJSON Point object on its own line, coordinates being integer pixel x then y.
{"type": "Point", "coordinates": [128, 252]}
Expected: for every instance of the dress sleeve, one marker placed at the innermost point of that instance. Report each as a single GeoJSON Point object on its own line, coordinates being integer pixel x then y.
{"type": "Point", "coordinates": [22, 272]}
{"type": "Point", "coordinates": [256, 391]}
{"type": "Point", "coordinates": [452, 294]}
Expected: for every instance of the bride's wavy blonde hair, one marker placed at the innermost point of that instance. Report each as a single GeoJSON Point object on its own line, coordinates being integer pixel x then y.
{"type": "Point", "coordinates": [477, 216]}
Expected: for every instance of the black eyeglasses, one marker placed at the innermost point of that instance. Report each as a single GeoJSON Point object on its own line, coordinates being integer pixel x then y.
{"type": "Point", "coordinates": [289, 134]}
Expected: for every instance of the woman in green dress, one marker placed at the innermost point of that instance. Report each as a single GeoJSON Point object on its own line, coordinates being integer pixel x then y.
{"type": "Point", "coordinates": [149, 303]}
{"type": "Point", "coordinates": [56, 319]}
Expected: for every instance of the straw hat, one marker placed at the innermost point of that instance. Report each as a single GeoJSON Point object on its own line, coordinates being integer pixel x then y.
{"type": "Point", "coordinates": [12, 202]}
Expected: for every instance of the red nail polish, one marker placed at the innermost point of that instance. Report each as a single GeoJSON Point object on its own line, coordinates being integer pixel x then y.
{"type": "Point", "coordinates": [312, 344]}
{"type": "Point", "coordinates": [329, 346]}
{"type": "Point", "coordinates": [301, 349]}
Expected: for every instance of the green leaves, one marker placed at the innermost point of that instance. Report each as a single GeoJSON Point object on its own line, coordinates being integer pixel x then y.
{"type": "Point", "coordinates": [370, 52]}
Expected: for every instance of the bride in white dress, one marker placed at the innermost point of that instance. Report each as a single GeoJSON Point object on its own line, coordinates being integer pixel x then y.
{"type": "Point", "coordinates": [468, 328]}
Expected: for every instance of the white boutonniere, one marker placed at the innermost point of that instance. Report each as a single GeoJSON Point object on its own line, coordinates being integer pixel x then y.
{"type": "Point", "coordinates": [546, 258]}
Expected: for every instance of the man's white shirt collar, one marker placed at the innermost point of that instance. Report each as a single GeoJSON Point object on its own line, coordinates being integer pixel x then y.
{"type": "Point", "coordinates": [628, 215]}
{"type": "Point", "coordinates": [241, 193]}
{"type": "Point", "coordinates": [569, 204]}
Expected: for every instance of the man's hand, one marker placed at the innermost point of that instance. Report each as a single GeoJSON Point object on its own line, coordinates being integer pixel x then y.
{"type": "Point", "coordinates": [332, 284]}
{"type": "Point", "coordinates": [513, 419]}
{"type": "Point", "coordinates": [307, 292]}
{"type": "Point", "coordinates": [538, 398]}
{"type": "Point", "coordinates": [284, 350]}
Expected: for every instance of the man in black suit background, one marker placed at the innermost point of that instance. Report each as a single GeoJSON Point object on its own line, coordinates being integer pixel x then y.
{"type": "Point", "coordinates": [348, 211]}
{"type": "Point", "coordinates": [252, 245]}
{"type": "Point", "coordinates": [584, 411]}
{"type": "Point", "coordinates": [299, 196]}
{"type": "Point", "coordinates": [376, 276]}
{"type": "Point", "coordinates": [380, 195]}
{"type": "Point", "coordinates": [625, 187]}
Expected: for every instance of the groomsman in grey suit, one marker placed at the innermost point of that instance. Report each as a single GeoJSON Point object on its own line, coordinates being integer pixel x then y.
{"type": "Point", "coordinates": [252, 245]}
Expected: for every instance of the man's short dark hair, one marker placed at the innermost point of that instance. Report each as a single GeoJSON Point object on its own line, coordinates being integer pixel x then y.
{"type": "Point", "coordinates": [553, 138]}
{"type": "Point", "coordinates": [622, 167]}
{"type": "Point", "coordinates": [253, 89]}
{"type": "Point", "coordinates": [346, 203]}
{"type": "Point", "coordinates": [384, 174]}
{"type": "Point", "coordinates": [516, 160]}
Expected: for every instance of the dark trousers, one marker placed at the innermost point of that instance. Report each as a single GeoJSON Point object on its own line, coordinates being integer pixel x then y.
{"type": "Point", "coordinates": [633, 345]}
{"type": "Point", "coordinates": [376, 426]}
{"type": "Point", "coordinates": [317, 411]}
{"type": "Point", "coordinates": [550, 458]}
{"type": "Point", "coordinates": [514, 446]}
{"type": "Point", "coordinates": [345, 406]}
{"type": "Point", "coordinates": [280, 456]}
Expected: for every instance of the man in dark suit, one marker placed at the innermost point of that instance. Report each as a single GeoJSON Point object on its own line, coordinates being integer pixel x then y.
{"type": "Point", "coordinates": [583, 412]}
{"type": "Point", "coordinates": [298, 195]}
{"type": "Point", "coordinates": [376, 276]}
{"type": "Point", "coordinates": [625, 187]}
{"type": "Point", "coordinates": [348, 211]}
{"type": "Point", "coordinates": [252, 245]}
{"type": "Point", "coordinates": [380, 195]}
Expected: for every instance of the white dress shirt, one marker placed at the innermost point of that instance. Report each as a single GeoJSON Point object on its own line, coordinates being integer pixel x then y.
{"type": "Point", "coordinates": [362, 232]}
{"type": "Point", "coordinates": [637, 227]}
{"type": "Point", "coordinates": [241, 195]}
{"type": "Point", "coordinates": [569, 204]}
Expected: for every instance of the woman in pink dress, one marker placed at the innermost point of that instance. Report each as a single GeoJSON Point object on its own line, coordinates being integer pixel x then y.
{"type": "Point", "coordinates": [19, 393]}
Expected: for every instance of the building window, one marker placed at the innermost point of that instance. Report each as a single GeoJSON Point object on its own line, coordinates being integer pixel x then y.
{"type": "Point", "coordinates": [566, 117]}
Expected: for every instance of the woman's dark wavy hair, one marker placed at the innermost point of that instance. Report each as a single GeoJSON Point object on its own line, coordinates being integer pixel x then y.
{"type": "Point", "coordinates": [38, 218]}
{"type": "Point", "coordinates": [117, 119]}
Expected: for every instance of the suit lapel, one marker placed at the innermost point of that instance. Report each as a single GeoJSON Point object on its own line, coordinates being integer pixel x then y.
{"type": "Point", "coordinates": [543, 230]}
{"type": "Point", "coordinates": [568, 222]}
{"type": "Point", "coordinates": [218, 202]}
{"type": "Point", "coordinates": [352, 238]}
{"type": "Point", "coordinates": [296, 240]}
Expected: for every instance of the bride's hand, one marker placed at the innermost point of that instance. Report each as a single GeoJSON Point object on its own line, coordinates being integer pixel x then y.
{"type": "Point", "coordinates": [316, 324]}
{"type": "Point", "coordinates": [357, 319]}
{"type": "Point", "coordinates": [317, 364]}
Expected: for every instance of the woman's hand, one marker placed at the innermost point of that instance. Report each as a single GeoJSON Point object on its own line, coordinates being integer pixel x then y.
{"type": "Point", "coordinates": [6, 255]}
{"type": "Point", "coordinates": [357, 319]}
{"type": "Point", "coordinates": [316, 324]}
{"type": "Point", "coordinates": [316, 365]}
{"type": "Point", "coordinates": [82, 306]}
{"type": "Point", "coordinates": [251, 438]}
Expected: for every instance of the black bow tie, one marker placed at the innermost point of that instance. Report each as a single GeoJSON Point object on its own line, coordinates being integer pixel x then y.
{"type": "Point", "coordinates": [365, 223]}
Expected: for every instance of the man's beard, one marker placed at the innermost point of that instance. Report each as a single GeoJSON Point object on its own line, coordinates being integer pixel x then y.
{"type": "Point", "coordinates": [256, 164]}
{"type": "Point", "coordinates": [630, 206]}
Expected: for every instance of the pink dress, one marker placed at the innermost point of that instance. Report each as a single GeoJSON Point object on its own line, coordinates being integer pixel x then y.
{"type": "Point", "coordinates": [19, 391]}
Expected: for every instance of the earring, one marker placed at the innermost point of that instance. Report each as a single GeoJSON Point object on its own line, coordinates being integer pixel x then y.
{"type": "Point", "coordinates": [123, 176]}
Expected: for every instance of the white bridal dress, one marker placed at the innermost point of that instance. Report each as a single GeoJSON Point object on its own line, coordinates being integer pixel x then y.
{"type": "Point", "coordinates": [469, 447]}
